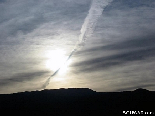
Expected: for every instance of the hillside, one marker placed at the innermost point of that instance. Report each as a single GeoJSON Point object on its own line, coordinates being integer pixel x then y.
{"type": "Point", "coordinates": [77, 102]}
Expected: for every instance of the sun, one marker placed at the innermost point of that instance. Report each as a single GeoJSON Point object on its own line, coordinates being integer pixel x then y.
{"type": "Point", "coordinates": [56, 59]}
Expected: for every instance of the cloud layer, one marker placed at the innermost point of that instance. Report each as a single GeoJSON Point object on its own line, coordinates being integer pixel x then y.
{"type": "Point", "coordinates": [118, 56]}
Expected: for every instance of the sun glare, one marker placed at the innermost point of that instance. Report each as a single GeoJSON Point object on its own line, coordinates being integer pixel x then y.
{"type": "Point", "coordinates": [64, 67]}
{"type": "Point", "coordinates": [56, 59]}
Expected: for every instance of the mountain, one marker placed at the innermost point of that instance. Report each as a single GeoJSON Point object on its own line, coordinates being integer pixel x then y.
{"type": "Point", "coordinates": [78, 102]}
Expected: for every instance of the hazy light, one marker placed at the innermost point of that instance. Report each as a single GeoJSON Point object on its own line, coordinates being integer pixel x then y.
{"type": "Point", "coordinates": [56, 59]}
{"type": "Point", "coordinates": [64, 67]}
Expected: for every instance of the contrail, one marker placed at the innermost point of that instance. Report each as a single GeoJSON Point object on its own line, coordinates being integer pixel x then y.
{"type": "Point", "coordinates": [87, 29]}
{"type": "Point", "coordinates": [89, 24]}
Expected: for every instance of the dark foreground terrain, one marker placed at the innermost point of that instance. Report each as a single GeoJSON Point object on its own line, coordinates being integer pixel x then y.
{"type": "Point", "coordinates": [78, 102]}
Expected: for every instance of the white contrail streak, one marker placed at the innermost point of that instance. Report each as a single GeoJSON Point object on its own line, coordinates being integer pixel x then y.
{"type": "Point", "coordinates": [89, 24]}
{"type": "Point", "coordinates": [87, 28]}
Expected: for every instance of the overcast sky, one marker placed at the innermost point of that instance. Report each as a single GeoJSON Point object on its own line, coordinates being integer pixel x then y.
{"type": "Point", "coordinates": [36, 36]}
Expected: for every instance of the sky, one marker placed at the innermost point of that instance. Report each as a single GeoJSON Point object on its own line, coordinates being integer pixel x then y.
{"type": "Point", "coordinates": [115, 53]}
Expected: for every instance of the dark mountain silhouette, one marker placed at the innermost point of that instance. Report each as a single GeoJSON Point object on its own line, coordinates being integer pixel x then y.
{"type": "Point", "coordinates": [77, 102]}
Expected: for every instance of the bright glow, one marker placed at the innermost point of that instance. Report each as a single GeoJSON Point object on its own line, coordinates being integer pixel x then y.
{"type": "Point", "coordinates": [64, 67]}
{"type": "Point", "coordinates": [59, 79]}
{"type": "Point", "coordinates": [56, 59]}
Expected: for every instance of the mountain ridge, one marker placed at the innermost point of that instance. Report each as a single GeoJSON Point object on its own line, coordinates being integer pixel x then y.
{"type": "Point", "coordinates": [78, 101]}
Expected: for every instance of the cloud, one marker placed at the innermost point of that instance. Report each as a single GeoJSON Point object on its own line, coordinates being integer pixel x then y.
{"type": "Point", "coordinates": [132, 49]}
{"type": "Point", "coordinates": [24, 77]}
{"type": "Point", "coordinates": [30, 28]}
{"type": "Point", "coordinates": [23, 82]}
{"type": "Point", "coordinates": [129, 43]}
{"type": "Point", "coordinates": [26, 16]}
{"type": "Point", "coordinates": [113, 61]}
{"type": "Point", "coordinates": [122, 40]}
{"type": "Point", "coordinates": [118, 54]}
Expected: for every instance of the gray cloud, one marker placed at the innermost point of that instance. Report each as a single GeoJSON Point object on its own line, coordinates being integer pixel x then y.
{"type": "Point", "coordinates": [25, 16]}
{"type": "Point", "coordinates": [23, 77]}
{"type": "Point", "coordinates": [124, 31]}
{"type": "Point", "coordinates": [134, 49]}
{"type": "Point", "coordinates": [123, 38]}
{"type": "Point", "coordinates": [140, 42]}
{"type": "Point", "coordinates": [115, 60]}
